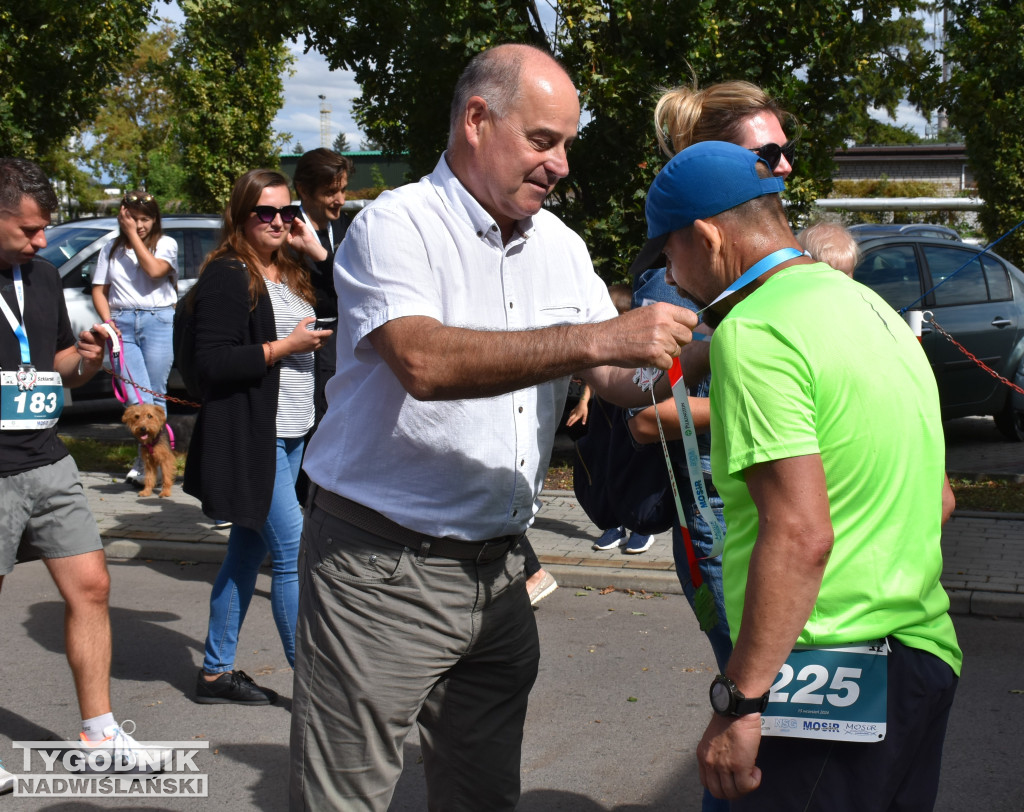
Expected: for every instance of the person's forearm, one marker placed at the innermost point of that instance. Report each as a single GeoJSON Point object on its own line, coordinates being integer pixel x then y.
{"type": "Point", "coordinates": [782, 585]}
{"type": "Point", "coordinates": [153, 268]}
{"type": "Point", "coordinates": [437, 362]}
{"type": "Point", "coordinates": [74, 369]}
{"type": "Point", "coordinates": [784, 576]}
{"type": "Point", "coordinates": [481, 364]}
{"type": "Point", "coordinates": [101, 301]}
{"type": "Point", "coordinates": [644, 425]}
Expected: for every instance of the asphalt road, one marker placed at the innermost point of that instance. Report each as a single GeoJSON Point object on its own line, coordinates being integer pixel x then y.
{"type": "Point", "coordinates": [618, 708]}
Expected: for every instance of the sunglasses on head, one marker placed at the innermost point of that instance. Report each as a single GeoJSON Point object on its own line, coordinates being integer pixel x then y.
{"type": "Point", "coordinates": [266, 214]}
{"type": "Point", "coordinates": [136, 198]}
{"type": "Point", "coordinates": [773, 153]}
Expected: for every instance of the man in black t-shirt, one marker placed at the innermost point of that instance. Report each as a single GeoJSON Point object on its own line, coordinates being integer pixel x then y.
{"type": "Point", "coordinates": [42, 504]}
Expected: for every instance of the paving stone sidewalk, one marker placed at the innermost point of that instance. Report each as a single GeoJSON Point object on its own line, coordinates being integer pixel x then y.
{"type": "Point", "coordinates": [983, 553]}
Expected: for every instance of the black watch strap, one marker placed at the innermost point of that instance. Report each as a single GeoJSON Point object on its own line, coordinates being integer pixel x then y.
{"type": "Point", "coordinates": [728, 700]}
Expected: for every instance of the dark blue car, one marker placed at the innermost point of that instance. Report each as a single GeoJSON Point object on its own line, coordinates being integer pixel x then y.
{"type": "Point", "coordinates": [980, 306]}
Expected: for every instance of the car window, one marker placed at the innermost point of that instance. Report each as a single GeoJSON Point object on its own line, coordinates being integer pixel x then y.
{"type": "Point", "coordinates": [998, 279]}
{"type": "Point", "coordinates": [957, 276]}
{"type": "Point", "coordinates": [63, 242]}
{"type": "Point", "coordinates": [892, 272]}
{"type": "Point", "coordinates": [178, 235]}
{"type": "Point", "coordinates": [80, 277]}
{"type": "Point", "coordinates": [935, 234]}
{"type": "Point", "coordinates": [206, 240]}
{"type": "Point", "coordinates": [193, 246]}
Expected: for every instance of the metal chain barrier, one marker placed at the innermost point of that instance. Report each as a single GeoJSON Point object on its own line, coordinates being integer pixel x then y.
{"type": "Point", "coordinates": [164, 395]}
{"type": "Point", "coordinates": [930, 317]}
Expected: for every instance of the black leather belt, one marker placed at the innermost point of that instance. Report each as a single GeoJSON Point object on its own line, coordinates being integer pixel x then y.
{"type": "Point", "coordinates": [371, 521]}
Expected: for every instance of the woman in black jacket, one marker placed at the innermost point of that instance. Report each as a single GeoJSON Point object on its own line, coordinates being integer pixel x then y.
{"type": "Point", "coordinates": [254, 351]}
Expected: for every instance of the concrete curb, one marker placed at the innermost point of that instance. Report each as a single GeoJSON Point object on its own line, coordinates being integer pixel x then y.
{"type": "Point", "coordinates": [581, 575]}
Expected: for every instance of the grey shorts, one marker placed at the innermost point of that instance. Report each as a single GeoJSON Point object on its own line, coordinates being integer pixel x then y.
{"type": "Point", "coordinates": [45, 510]}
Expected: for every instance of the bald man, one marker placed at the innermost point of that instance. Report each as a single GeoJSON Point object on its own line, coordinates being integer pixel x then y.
{"type": "Point", "coordinates": [464, 308]}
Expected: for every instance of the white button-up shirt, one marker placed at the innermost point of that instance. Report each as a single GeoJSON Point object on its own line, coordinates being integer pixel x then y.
{"type": "Point", "coordinates": [468, 469]}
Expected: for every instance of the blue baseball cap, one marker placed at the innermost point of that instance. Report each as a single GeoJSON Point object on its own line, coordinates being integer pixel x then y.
{"type": "Point", "coordinates": [703, 180]}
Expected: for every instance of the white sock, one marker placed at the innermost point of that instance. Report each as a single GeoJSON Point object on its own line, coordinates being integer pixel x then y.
{"type": "Point", "coordinates": [93, 728]}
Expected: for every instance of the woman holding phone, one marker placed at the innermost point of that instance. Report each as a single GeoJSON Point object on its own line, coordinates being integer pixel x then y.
{"type": "Point", "coordinates": [254, 345]}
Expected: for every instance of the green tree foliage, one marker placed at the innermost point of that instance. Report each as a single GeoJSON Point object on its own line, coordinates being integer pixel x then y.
{"type": "Point", "coordinates": [985, 100]}
{"type": "Point", "coordinates": [56, 58]}
{"type": "Point", "coordinates": [340, 144]}
{"type": "Point", "coordinates": [827, 61]}
{"type": "Point", "coordinates": [226, 80]}
{"type": "Point", "coordinates": [133, 124]}
{"type": "Point", "coordinates": [407, 56]}
{"type": "Point", "coordinates": [880, 133]}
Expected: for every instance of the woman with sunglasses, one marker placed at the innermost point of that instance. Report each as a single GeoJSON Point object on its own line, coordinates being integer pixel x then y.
{"type": "Point", "coordinates": [134, 290]}
{"type": "Point", "coordinates": [254, 344]}
{"type": "Point", "coordinates": [743, 114]}
{"type": "Point", "coordinates": [736, 111]}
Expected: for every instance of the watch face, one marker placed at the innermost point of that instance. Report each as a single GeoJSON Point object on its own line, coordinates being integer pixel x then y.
{"type": "Point", "coordinates": [719, 697]}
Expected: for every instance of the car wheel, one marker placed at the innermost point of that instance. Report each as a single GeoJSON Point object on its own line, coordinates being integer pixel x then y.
{"type": "Point", "coordinates": [1010, 422]}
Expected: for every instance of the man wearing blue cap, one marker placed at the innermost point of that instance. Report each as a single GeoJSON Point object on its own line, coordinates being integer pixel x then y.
{"type": "Point", "coordinates": [845, 662]}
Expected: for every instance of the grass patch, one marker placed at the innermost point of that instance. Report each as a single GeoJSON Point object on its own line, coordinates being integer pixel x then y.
{"type": "Point", "coordinates": [1002, 496]}
{"type": "Point", "coordinates": [108, 458]}
{"type": "Point", "coordinates": [989, 495]}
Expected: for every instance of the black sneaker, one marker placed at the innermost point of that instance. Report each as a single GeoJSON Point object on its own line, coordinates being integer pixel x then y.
{"type": "Point", "coordinates": [232, 688]}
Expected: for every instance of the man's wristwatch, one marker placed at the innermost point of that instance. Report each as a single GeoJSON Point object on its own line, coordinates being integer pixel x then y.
{"type": "Point", "coordinates": [726, 699]}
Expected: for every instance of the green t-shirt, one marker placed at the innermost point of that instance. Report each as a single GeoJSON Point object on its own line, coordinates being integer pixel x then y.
{"type": "Point", "coordinates": [815, 363]}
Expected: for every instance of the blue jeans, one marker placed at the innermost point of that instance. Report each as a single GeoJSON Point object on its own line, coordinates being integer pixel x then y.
{"type": "Point", "coordinates": [146, 350]}
{"type": "Point", "coordinates": [710, 571]}
{"type": "Point", "coordinates": [247, 548]}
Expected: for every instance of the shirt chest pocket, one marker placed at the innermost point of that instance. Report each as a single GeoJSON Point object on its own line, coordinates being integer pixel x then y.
{"type": "Point", "coordinates": [551, 314]}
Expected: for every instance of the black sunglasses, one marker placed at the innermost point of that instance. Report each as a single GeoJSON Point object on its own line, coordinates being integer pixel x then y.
{"type": "Point", "coordinates": [266, 214]}
{"type": "Point", "coordinates": [134, 198]}
{"type": "Point", "coordinates": [773, 153]}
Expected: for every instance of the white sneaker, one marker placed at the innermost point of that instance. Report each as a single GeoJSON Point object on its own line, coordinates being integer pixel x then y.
{"type": "Point", "coordinates": [544, 587]}
{"type": "Point", "coordinates": [6, 780]}
{"type": "Point", "coordinates": [638, 543]}
{"type": "Point", "coordinates": [126, 754]}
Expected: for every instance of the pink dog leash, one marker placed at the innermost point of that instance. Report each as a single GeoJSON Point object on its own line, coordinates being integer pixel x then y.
{"type": "Point", "coordinates": [117, 382]}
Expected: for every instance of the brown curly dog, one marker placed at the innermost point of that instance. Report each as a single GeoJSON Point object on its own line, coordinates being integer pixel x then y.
{"type": "Point", "coordinates": [146, 423]}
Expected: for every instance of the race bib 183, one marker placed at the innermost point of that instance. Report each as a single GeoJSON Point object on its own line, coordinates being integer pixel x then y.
{"type": "Point", "coordinates": [30, 409]}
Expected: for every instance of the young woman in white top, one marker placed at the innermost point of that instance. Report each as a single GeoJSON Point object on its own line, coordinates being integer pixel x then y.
{"type": "Point", "coordinates": [135, 290]}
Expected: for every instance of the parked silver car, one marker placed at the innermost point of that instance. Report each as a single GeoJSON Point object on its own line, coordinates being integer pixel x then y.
{"type": "Point", "coordinates": [864, 230]}
{"type": "Point", "coordinates": [981, 306]}
{"type": "Point", "coordinates": [74, 248]}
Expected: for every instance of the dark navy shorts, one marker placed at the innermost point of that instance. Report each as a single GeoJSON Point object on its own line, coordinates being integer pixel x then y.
{"type": "Point", "coordinates": [899, 773]}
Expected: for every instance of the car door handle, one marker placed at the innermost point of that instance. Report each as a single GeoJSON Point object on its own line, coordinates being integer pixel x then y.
{"type": "Point", "coordinates": [1001, 322]}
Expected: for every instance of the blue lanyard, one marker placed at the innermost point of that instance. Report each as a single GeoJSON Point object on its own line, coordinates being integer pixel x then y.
{"type": "Point", "coordinates": [766, 264]}
{"type": "Point", "coordinates": [18, 326]}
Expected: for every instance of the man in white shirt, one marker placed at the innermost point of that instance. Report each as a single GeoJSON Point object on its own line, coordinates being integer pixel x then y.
{"type": "Point", "coordinates": [464, 308]}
